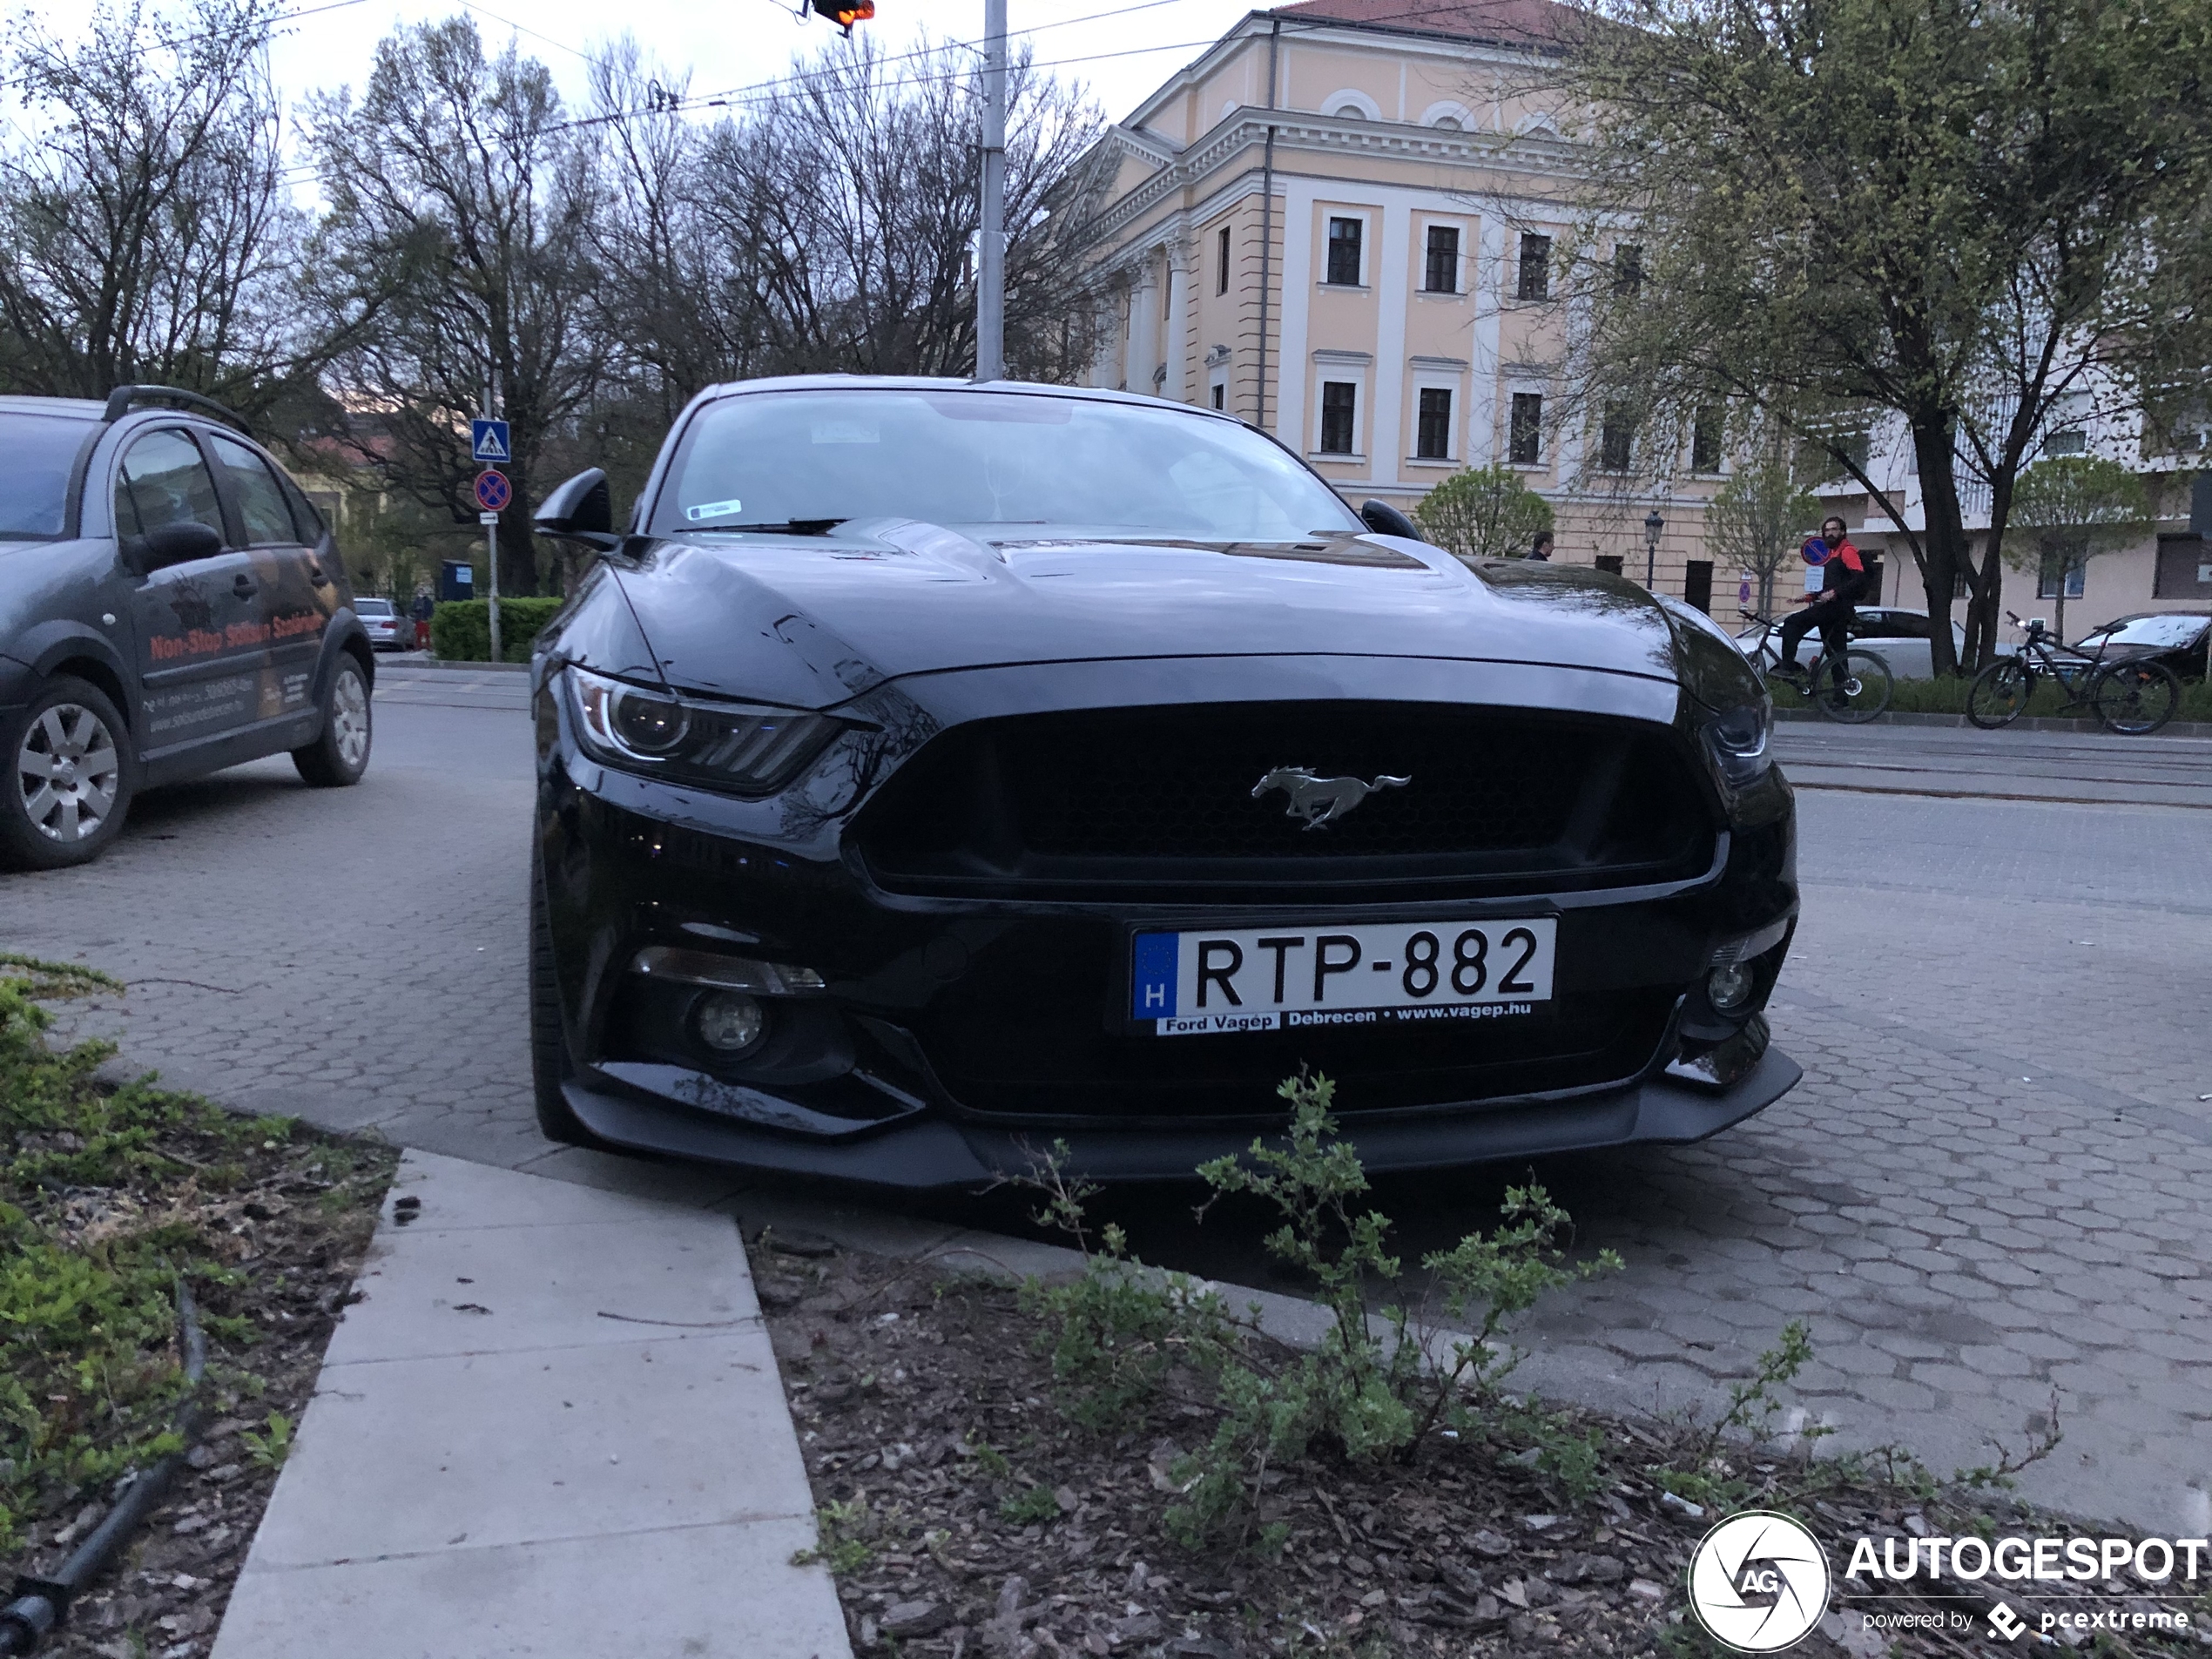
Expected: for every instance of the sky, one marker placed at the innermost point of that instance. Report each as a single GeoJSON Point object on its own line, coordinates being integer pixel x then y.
{"type": "Point", "coordinates": [734, 43]}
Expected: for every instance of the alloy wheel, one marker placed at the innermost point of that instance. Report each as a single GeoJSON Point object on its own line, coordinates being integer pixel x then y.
{"type": "Point", "coordinates": [350, 718]}
{"type": "Point", "coordinates": [67, 771]}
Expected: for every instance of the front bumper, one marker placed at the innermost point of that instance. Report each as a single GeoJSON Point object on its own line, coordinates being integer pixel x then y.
{"type": "Point", "coordinates": [924, 1152]}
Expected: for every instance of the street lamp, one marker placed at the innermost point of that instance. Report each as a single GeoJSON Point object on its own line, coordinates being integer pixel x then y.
{"type": "Point", "coordinates": [1652, 525]}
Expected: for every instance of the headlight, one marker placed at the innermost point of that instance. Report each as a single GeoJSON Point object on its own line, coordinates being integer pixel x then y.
{"type": "Point", "coordinates": [1740, 740]}
{"type": "Point", "coordinates": [736, 747]}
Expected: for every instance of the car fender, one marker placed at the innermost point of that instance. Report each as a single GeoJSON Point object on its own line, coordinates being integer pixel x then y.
{"type": "Point", "coordinates": [48, 644]}
{"type": "Point", "coordinates": [343, 629]}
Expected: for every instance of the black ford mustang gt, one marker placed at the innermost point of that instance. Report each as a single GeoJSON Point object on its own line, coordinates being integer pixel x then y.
{"type": "Point", "coordinates": [935, 771]}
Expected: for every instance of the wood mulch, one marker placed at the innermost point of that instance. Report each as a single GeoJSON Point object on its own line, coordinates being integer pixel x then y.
{"type": "Point", "coordinates": [963, 1515]}
{"type": "Point", "coordinates": [293, 1229]}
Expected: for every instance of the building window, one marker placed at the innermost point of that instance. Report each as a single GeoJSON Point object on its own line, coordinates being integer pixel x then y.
{"type": "Point", "coordinates": [1535, 267]}
{"type": "Point", "coordinates": [1221, 260]}
{"type": "Point", "coordinates": [2048, 579]}
{"type": "Point", "coordinates": [1442, 276]}
{"type": "Point", "coordinates": [1616, 435]}
{"type": "Point", "coordinates": [1339, 401]}
{"type": "Point", "coordinates": [1220, 395]}
{"type": "Point", "coordinates": [1433, 431]}
{"type": "Point", "coordinates": [2072, 441]}
{"type": "Point", "coordinates": [1705, 440]}
{"type": "Point", "coordinates": [1609, 563]}
{"type": "Point", "coordinates": [1628, 267]}
{"type": "Point", "coordinates": [1525, 432]}
{"type": "Point", "coordinates": [1343, 252]}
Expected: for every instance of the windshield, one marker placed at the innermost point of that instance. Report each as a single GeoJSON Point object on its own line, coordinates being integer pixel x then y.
{"type": "Point", "coordinates": [988, 458]}
{"type": "Point", "coordinates": [37, 454]}
{"type": "Point", "coordinates": [2164, 633]}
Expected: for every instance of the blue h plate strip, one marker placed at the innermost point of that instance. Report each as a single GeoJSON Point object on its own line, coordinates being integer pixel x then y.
{"type": "Point", "coordinates": [1152, 990]}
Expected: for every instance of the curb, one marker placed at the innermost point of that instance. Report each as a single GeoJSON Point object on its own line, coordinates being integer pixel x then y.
{"type": "Point", "coordinates": [497, 668]}
{"type": "Point", "coordinates": [2038, 723]}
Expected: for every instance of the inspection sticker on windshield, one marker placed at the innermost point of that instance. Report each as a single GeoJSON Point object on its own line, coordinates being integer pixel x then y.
{"type": "Point", "coordinates": [714, 509]}
{"type": "Point", "coordinates": [1384, 975]}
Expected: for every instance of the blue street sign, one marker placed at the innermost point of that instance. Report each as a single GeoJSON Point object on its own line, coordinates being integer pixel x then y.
{"type": "Point", "coordinates": [488, 441]}
{"type": "Point", "coordinates": [493, 491]}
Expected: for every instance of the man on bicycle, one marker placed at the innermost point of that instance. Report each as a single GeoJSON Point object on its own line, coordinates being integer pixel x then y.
{"type": "Point", "coordinates": [1843, 582]}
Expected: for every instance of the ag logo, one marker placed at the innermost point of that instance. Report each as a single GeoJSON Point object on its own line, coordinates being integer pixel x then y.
{"type": "Point", "coordinates": [1758, 1582]}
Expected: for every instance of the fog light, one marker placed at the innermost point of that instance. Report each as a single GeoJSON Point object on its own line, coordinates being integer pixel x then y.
{"type": "Point", "coordinates": [1728, 988]}
{"type": "Point", "coordinates": [729, 1021]}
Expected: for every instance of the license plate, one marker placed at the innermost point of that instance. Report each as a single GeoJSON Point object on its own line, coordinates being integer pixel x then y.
{"type": "Point", "coordinates": [1384, 975]}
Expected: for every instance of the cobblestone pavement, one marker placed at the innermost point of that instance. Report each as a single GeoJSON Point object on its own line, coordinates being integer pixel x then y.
{"type": "Point", "coordinates": [1991, 1188]}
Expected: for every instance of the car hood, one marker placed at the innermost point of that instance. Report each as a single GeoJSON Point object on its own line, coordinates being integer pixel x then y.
{"type": "Point", "coordinates": [808, 621]}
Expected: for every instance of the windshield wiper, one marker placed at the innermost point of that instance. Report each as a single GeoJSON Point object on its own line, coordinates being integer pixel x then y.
{"type": "Point", "coordinates": [789, 526]}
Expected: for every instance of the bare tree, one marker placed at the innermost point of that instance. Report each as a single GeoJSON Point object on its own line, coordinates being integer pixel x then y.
{"type": "Point", "coordinates": [850, 199]}
{"type": "Point", "coordinates": [145, 232]}
{"type": "Point", "coordinates": [458, 192]}
{"type": "Point", "coordinates": [1758, 516]}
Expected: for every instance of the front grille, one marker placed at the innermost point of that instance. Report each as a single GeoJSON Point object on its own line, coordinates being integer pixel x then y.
{"type": "Point", "coordinates": [1157, 803]}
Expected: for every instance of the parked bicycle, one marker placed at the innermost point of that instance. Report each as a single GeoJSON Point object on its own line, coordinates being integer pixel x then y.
{"type": "Point", "coordinates": [1851, 685]}
{"type": "Point", "coordinates": [2130, 695]}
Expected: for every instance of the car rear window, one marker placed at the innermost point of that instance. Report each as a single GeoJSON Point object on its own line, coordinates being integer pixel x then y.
{"type": "Point", "coordinates": [371, 607]}
{"type": "Point", "coordinates": [2164, 633]}
{"type": "Point", "coordinates": [37, 453]}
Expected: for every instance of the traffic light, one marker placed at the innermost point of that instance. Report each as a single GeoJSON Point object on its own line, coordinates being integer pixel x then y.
{"type": "Point", "coordinates": [846, 13]}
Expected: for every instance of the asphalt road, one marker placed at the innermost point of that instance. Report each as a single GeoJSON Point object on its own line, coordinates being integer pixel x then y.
{"type": "Point", "coordinates": [1991, 1191]}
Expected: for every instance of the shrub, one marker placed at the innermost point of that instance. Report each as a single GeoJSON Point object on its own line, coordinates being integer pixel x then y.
{"type": "Point", "coordinates": [1373, 1387]}
{"type": "Point", "coordinates": [461, 629]}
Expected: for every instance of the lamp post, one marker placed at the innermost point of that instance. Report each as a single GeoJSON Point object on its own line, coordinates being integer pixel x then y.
{"type": "Point", "coordinates": [990, 262]}
{"type": "Point", "coordinates": [1652, 525]}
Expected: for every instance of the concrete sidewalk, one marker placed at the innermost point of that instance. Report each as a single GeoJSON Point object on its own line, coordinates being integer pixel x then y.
{"type": "Point", "coordinates": [553, 1428]}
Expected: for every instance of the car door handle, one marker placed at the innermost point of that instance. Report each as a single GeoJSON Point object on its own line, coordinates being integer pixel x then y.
{"type": "Point", "coordinates": [242, 586]}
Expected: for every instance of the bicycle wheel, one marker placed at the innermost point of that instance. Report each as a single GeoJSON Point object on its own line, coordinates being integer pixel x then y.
{"type": "Point", "coordinates": [2135, 699]}
{"type": "Point", "coordinates": [1999, 694]}
{"type": "Point", "coordinates": [1852, 689]}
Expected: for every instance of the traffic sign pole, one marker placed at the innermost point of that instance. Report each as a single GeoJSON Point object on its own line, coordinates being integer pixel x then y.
{"type": "Point", "coordinates": [490, 522]}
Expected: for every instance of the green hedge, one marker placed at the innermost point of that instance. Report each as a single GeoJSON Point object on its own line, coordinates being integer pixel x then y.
{"type": "Point", "coordinates": [461, 629]}
{"type": "Point", "coordinates": [1948, 696]}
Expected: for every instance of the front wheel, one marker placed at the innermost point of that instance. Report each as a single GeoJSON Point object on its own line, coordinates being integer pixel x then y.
{"type": "Point", "coordinates": [1853, 688]}
{"type": "Point", "coordinates": [1999, 694]}
{"type": "Point", "coordinates": [340, 753]}
{"type": "Point", "coordinates": [2135, 699]}
{"type": "Point", "coordinates": [68, 782]}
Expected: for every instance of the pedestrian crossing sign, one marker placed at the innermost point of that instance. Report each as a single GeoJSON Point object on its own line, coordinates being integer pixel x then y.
{"type": "Point", "coordinates": [488, 441]}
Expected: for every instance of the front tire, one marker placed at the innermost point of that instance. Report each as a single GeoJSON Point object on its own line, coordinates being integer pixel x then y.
{"type": "Point", "coordinates": [1999, 694]}
{"type": "Point", "coordinates": [2134, 699]}
{"type": "Point", "coordinates": [340, 753]}
{"type": "Point", "coordinates": [550, 1066]}
{"type": "Point", "coordinates": [69, 779]}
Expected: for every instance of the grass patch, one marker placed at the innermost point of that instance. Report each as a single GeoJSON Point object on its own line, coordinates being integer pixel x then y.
{"type": "Point", "coordinates": [108, 1196]}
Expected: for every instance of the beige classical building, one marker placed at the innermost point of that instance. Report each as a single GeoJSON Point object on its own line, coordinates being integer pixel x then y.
{"type": "Point", "coordinates": [1346, 222]}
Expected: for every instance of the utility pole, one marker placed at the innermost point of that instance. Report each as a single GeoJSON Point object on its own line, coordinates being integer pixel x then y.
{"type": "Point", "coordinates": [990, 260]}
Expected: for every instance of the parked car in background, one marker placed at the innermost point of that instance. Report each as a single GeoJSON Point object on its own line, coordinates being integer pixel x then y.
{"type": "Point", "coordinates": [386, 627]}
{"type": "Point", "coordinates": [2176, 638]}
{"type": "Point", "coordinates": [171, 604]}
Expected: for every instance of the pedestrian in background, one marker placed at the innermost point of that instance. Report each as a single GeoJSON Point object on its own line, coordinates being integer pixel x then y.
{"type": "Point", "coordinates": [1541, 548]}
{"type": "Point", "coordinates": [424, 605]}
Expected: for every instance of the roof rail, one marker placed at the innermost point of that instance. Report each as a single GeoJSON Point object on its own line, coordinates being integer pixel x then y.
{"type": "Point", "coordinates": [120, 400]}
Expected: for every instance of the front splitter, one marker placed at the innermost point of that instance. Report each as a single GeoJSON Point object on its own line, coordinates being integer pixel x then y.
{"type": "Point", "coordinates": [921, 1153]}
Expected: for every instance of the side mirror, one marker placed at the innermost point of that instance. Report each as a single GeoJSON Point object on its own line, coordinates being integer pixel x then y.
{"type": "Point", "coordinates": [582, 509]}
{"type": "Point", "coordinates": [1385, 520]}
{"type": "Point", "coordinates": [177, 543]}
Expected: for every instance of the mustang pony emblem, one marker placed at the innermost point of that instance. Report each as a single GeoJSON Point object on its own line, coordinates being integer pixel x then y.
{"type": "Point", "coordinates": [1320, 801]}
